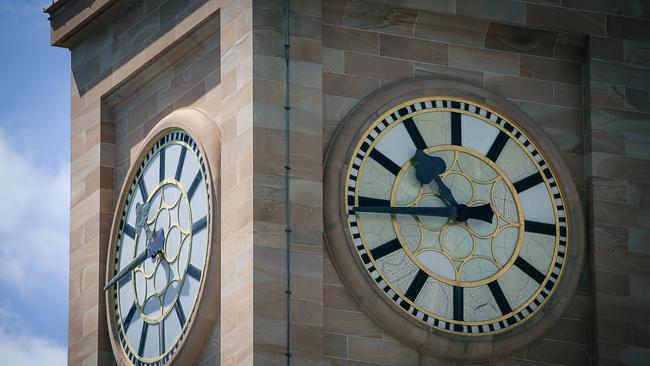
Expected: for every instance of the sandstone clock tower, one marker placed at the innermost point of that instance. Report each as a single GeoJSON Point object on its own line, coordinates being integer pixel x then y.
{"type": "Point", "coordinates": [353, 182]}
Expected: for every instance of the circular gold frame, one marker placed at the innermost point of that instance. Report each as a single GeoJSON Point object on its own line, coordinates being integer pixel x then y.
{"type": "Point", "coordinates": [206, 134]}
{"type": "Point", "coordinates": [517, 203]}
{"type": "Point", "coordinates": [392, 318]}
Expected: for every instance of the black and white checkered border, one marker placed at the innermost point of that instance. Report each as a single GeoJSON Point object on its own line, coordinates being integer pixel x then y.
{"type": "Point", "coordinates": [355, 165]}
{"type": "Point", "coordinates": [171, 137]}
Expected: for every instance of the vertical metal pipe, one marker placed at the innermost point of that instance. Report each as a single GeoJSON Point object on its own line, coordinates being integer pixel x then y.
{"type": "Point", "coordinates": [287, 170]}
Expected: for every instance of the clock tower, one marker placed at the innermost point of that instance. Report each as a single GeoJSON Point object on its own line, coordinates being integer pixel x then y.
{"type": "Point", "coordinates": [354, 182]}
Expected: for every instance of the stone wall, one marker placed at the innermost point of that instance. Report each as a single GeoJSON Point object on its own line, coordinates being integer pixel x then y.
{"type": "Point", "coordinates": [369, 45]}
{"type": "Point", "coordinates": [128, 74]}
{"type": "Point", "coordinates": [580, 69]}
{"type": "Point", "coordinates": [306, 171]}
{"type": "Point", "coordinates": [533, 55]}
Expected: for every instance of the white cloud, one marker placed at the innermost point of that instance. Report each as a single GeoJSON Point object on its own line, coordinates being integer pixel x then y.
{"type": "Point", "coordinates": [19, 347]}
{"type": "Point", "coordinates": [34, 210]}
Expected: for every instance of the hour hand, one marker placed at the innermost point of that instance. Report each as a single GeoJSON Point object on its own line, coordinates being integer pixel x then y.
{"type": "Point", "coordinates": [154, 247]}
{"type": "Point", "coordinates": [428, 168]}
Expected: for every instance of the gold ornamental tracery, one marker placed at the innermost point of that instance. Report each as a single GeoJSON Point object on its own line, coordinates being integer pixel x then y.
{"type": "Point", "coordinates": [503, 222]}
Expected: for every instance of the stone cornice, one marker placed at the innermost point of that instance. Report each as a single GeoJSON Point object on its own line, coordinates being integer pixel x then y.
{"type": "Point", "coordinates": [71, 20]}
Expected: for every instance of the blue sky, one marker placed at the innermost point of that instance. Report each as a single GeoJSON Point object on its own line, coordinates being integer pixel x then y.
{"type": "Point", "coordinates": [34, 181]}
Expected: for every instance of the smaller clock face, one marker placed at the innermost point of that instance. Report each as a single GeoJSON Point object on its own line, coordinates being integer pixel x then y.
{"type": "Point", "coordinates": [456, 216]}
{"type": "Point", "coordinates": [169, 203]}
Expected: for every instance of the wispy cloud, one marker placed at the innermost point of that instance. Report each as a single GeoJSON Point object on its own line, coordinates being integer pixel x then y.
{"type": "Point", "coordinates": [34, 211]}
{"type": "Point", "coordinates": [33, 219]}
{"type": "Point", "coordinates": [19, 347]}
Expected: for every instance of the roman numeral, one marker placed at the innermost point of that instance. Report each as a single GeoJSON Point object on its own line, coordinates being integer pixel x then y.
{"type": "Point", "coordinates": [456, 132]}
{"type": "Point", "coordinates": [199, 225]}
{"type": "Point", "coordinates": [501, 300]}
{"type": "Point", "coordinates": [143, 338]}
{"type": "Point", "coordinates": [385, 249]}
{"type": "Point", "coordinates": [416, 285]}
{"type": "Point", "coordinates": [161, 337]}
{"type": "Point", "coordinates": [161, 168]}
{"type": "Point", "coordinates": [384, 161]}
{"type": "Point", "coordinates": [458, 303]}
{"type": "Point", "coordinates": [143, 190]}
{"type": "Point", "coordinates": [194, 272]}
{"type": "Point", "coordinates": [539, 227]}
{"type": "Point", "coordinates": [374, 202]}
{"type": "Point", "coordinates": [528, 269]}
{"type": "Point", "coordinates": [181, 162]}
{"type": "Point", "coordinates": [415, 134]}
{"type": "Point", "coordinates": [180, 313]}
{"type": "Point", "coordinates": [528, 182]}
{"type": "Point", "coordinates": [195, 184]}
{"type": "Point", "coordinates": [497, 146]}
{"type": "Point", "coordinates": [129, 318]}
{"type": "Point", "coordinates": [129, 231]}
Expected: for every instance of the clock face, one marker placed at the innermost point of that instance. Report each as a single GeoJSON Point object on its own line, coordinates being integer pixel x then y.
{"type": "Point", "coordinates": [456, 216]}
{"type": "Point", "coordinates": [169, 201]}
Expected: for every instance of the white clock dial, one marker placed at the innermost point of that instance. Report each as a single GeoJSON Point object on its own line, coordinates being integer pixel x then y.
{"type": "Point", "coordinates": [435, 253]}
{"type": "Point", "coordinates": [154, 302]}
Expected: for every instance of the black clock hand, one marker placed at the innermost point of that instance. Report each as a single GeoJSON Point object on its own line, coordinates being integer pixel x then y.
{"type": "Point", "coordinates": [445, 192]}
{"type": "Point", "coordinates": [428, 168]}
{"type": "Point", "coordinates": [419, 211]}
{"type": "Point", "coordinates": [459, 212]}
{"type": "Point", "coordinates": [482, 213]}
{"type": "Point", "coordinates": [154, 247]}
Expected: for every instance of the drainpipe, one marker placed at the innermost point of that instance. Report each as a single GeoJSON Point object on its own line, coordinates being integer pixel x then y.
{"type": "Point", "coordinates": [287, 170]}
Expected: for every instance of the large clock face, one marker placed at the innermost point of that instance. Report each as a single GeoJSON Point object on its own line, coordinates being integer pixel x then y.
{"type": "Point", "coordinates": [456, 216]}
{"type": "Point", "coordinates": [168, 204]}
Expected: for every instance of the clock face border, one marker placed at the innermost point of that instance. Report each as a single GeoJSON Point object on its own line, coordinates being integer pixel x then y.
{"type": "Point", "coordinates": [354, 273]}
{"type": "Point", "coordinates": [206, 135]}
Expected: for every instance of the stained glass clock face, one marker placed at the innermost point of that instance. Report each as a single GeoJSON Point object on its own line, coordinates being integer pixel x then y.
{"type": "Point", "coordinates": [168, 205]}
{"type": "Point", "coordinates": [456, 216]}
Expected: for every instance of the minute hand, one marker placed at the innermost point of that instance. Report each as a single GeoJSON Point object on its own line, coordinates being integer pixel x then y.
{"type": "Point", "coordinates": [459, 212]}
{"type": "Point", "coordinates": [129, 267]}
{"type": "Point", "coordinates": [419, 211]}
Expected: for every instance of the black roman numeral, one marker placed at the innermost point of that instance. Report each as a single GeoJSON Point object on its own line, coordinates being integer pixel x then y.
{"type": "Point", "coordinates": [385, 249]}
{"type": "Point", "coordinates": [180, 313]}
{"type": "Point", "coordinates": [497, 146]}
{"type": "Point", "coordinates": [528, 182]}
{"type": "Point", "coordinates": [181, 162]}
{"type": "Point", "coordinates": [199, 225]}
{"type": "Point", "coordinates": [161, 337]}
{"type": "Point", "coordinates": [161, 168]}
{"type": "Point", "coordinates": [501, 300]}
{"type": "Point", "coordinates": [415, 134]}
{"type": "Point", "coordinates": [458, 307]}
{"type": "Point", "coordinates": [195, 184]}
{"type": "Point", "coordinates": [143, 190]}
{"type": "Point", "coordinates": [539, 227]}
{"type": "Point", "coordinates": [528, 269]}
{"type": "Point", "coordinates": [456, 132]}
{"type": "Point", "coordinates": [194, 272]}
{"type": "Point", "coordinates": [416, 285]}
{"type": "Point", "coordinates": [129, 318]}
{"type": "Point", "coordinates": [143, 338]}
{"type": "Point", "coordinates": [384, 161]}
{"type": "Point", "coordinates": [129, 231]}
{"type": "Point", "coordinates": [373, 202]}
